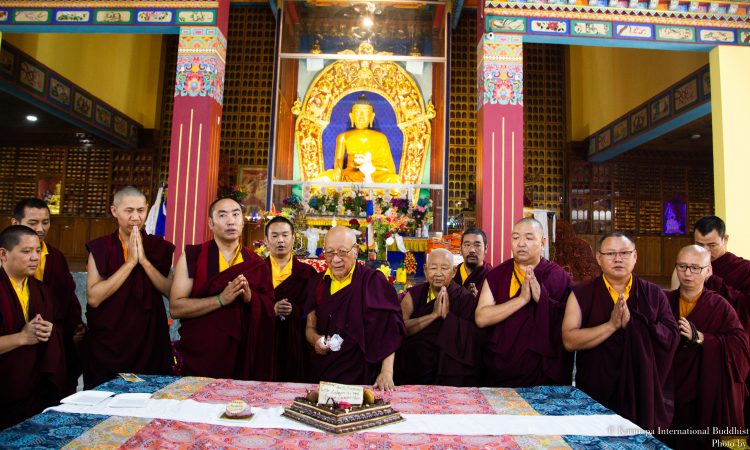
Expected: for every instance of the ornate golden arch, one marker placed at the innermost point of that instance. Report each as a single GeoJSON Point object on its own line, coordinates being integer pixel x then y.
{"type": "Point", "coordinates": [385, 78]}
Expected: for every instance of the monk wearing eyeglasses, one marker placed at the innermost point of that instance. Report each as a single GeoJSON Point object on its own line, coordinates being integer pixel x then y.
{"type": "Point", "coordinates": [625, 336]}
{"type": "Point", "coordinates": [712, 362]}
{"type": "Point", "coordinates": [354, 322]}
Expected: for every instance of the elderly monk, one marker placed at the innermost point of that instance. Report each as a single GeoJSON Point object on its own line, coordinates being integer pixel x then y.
{"type": "Point", "coordinates": [442, 346]}
{"type": "Point", "coordinates": [711, 365]}
{"type": "Point", "coordinates": [224, 297]}
{"type": "Point", "coordinates": [522, 304]}
{"type": "Point", "coordinates": [290, 277]}
{"type": "Point", "coordinates": [32, 363]}
{"type": "Point", "coordinates": [474, 269]}
{"type": "Point", "coordinates": [625, 336]}
{"type": "Point", "coordinates": [128, 273]}
{"type": "Point", "coordinates": [53, 271]}
{"type": "Point", "coordinates": [361, 307]}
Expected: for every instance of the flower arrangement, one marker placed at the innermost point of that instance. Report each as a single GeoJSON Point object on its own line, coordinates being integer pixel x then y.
{"type": "Point", "coordinates": [235, 192]}
{"type": "Point", "coordinates": [354, 202]}
{"type": "Point", "coordinates": [401, 205]}
{"type": "Point", "coordinates": [410, 264]}
{"type": "Point", "coordinates": [422, 211]}
{"type": "Point", "coordinates": [259, 247]}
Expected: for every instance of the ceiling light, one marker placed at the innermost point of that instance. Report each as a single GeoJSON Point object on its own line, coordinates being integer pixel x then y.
{"type": "Point", "coordinates": [32, 118]}
{"type": "Point", "coordinates": [367, 22]}
{"type": "Point", "coordinates": [695, 136]}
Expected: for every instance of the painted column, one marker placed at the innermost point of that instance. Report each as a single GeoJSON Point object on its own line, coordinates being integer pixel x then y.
{"type": "Point", "coordinates": [730, 96]}
{"type": "Point", "coordinates": [500, 140]}
{"type": "Point", "coordinates": [196, 130]}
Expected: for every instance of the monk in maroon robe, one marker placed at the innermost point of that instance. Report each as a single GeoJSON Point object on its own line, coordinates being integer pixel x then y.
{"type": "Point", "coordinates": [522, 305]}
{"type": "Point", "coordinates": [360, 306]}
{"type": "Point", "coordinates": [711, 365]}
{"type": "Point", "coordinates": [223, 296]}
{"type": "Point", "coordinates": [625, 336]}
{"type": "Point", "coordinates": [442, 346]}
{"type": "Point", "coordinates": [290, 277]}
{"type": "Point", "coordinates": [32, 362]}
{"type": "Point", "coordinates": [128, 273]}
{"type": "Point", "coordinates": [53, 271]}
{"type": "Point", "coordinates": [730, 274]}
{"type": "Point", "coordinates": [471, 273]}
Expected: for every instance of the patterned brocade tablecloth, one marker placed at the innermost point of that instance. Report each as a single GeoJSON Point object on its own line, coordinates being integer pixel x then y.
{"type": "Point", "coordinates": [54, 429]}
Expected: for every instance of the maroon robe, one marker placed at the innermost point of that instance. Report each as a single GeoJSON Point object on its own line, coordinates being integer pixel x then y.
{"type": "Point", "coordinates": [58, 279]}
{"type": "Point", "coordinates": [32, 377]}
{"type": "Point", "coordinates": [629, 372]}
{"type": "Point", "coordinates": [526, 348]}
{"type": "Point", "coordinates": [731, 279]}
{"type": "Point", "coordinates": [366, 314]}
{"type": "Point", "coordinates": [234, 341]}
{"type": "Point", "coordinates": [290, 346]}
{"type": "Point", "coordinates": [446, 352]}
{"type": "Point", "coordinates": [709, 379]}
{"type": "Point", "coordinates": [128, 332]}
{"type": "Point", "coordinates": [476, 277]}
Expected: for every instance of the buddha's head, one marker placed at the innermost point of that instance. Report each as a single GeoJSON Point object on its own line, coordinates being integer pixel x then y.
{"type": "Point", "coordinates": [362, 114]}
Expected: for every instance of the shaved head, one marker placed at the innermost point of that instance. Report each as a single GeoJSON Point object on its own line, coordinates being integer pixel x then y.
{"type": "Point", "coordinates": [537, 226]}
{"type": "Point", "coordinates": [704, 256]}
{"type": "Point", "coordinates": [439, 254]}
{"type": "Point", "coordinates": [127, 191]}
{"type": "Point", "coordinates": [339, 235]}
{"type": "Point", "coordinates": [439, 269]}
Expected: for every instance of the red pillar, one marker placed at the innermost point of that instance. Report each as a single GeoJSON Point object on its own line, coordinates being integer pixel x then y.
{"type": "Point", "coordinates": [196, 130]}
{"type": "Point", "coordinates": [500, 140]}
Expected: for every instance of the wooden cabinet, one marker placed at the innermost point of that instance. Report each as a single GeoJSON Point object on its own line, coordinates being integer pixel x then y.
{"type": "Point", "coordinates": [670, 247]}
{"type": "Point", "coordinates": [649, 255]}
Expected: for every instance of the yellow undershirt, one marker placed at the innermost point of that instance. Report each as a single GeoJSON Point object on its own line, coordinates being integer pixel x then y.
{"type": "Point", "coordinates": [687, 305]}
{"type": "Point", "coordinates": [22, 292]}
{"type": "Point", "coordinates": [464, 273]}
{"type": "Point", "coordinates": [278, 274]}
{"type": "Point", "coordinates": [124, 247]}
{"type": "Point", "coordinates": [339, 285]}
{"type": "Point", "coordinates": [516, 281]}
{"type": "Point", "coordinates": [39, 274]}
{"type": "Point", "coordinates": [616, 295]}
{"type": "Point", "coordinates": [236, 259]}
{"type": "Point", "coordinates": [430, 295]}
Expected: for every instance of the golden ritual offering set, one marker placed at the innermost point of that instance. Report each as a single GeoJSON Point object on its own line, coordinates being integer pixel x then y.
{"type": "Point", "coordinates": [361, 119]}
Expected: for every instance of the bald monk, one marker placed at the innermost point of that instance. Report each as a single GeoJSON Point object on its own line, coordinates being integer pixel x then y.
{"type": "Point", "coordinates": [442, 346]}
{"type": "Point", "coordinates": [711, 365]}
{"type": "Point", "coordinates": [290, 277]}
{"type": "Point", "coordinates": [521, 305]}
{"type": "Point", "coordinates": [54, 272]}
{"type": "Point", "coordinates": [128, 272]}
{"type": "Point", "coordinates": [32, 363]}
{"type": "Point", "coordinates": [224, 297]}
{"type": "Point", "coordinates": [474, 269]}
{"type": "Point", "coordinates": [359, 305]}
{"type": "Point", "coordinates": [625, 334]}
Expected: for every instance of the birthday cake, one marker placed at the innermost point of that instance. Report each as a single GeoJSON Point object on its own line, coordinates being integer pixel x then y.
{"type": "Point", "coordinates": [336, 419]}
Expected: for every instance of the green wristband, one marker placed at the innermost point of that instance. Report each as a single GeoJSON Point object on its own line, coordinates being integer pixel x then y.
{"type": "Point", "coordinates": [218, 299]}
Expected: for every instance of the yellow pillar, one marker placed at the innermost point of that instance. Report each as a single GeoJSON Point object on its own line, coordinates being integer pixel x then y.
{"type": "Point", "coordinates": [730, 98]}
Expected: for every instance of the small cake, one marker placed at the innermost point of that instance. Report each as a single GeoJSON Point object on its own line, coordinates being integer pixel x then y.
{"type": "Point", "coordinates": [237, 409]}
{"type": "Point", "coordinates": [338, 420]}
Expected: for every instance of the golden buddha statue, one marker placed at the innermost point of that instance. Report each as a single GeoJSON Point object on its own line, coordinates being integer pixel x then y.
{"type": "Point", "coordinates": [367, 153]}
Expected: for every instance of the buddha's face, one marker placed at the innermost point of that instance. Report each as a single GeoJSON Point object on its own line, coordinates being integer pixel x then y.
{"type": "Point", "coordinates": [362, 116]}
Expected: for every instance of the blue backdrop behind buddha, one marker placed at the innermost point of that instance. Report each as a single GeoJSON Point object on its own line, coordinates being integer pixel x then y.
{"type": "Point", "coordinates": [385, 122]}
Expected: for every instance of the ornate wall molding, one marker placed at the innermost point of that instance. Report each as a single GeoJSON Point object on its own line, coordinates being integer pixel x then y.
{"type": "Point", "coordinates": [23, 76]}
{"type": "Point", "coordinates": [688, 97]}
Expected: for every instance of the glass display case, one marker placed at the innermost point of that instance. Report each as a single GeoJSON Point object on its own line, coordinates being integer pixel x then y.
{"type": "Point", "coordinates": [360, 110]}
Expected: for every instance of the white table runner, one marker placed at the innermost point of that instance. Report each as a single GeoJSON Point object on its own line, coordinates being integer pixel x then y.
{"type": "Point", "coordinates": [454, 424]}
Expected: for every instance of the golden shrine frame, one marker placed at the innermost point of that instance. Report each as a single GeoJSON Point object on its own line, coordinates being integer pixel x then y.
{"type": "Point", "coordinates": [385, 78]}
